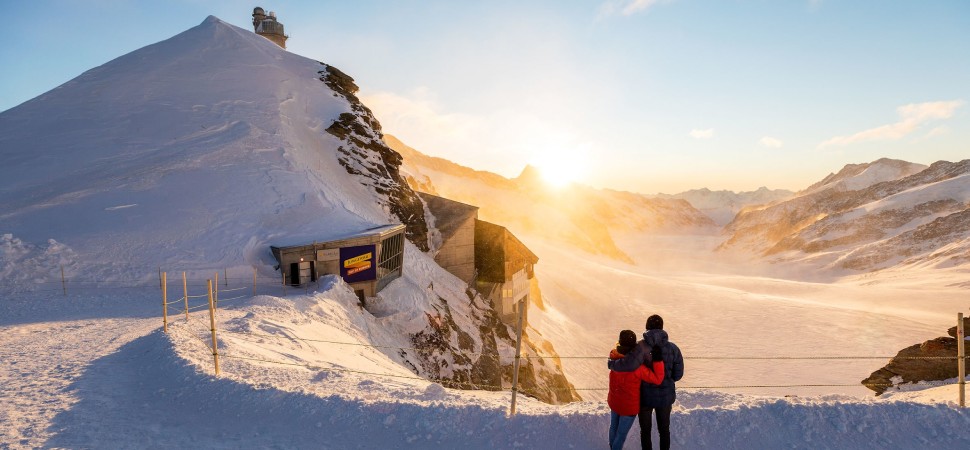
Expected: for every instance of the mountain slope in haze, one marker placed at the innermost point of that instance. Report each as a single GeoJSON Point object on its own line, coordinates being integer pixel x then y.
{"type": "Point", "coordinates": [722, 206]}
{"type": "Point", "coordinates": [868, 217]}
{"type": "Point", "coordinates": [578, 215]}
{"type": "Point", "coordinates": [198, 153]}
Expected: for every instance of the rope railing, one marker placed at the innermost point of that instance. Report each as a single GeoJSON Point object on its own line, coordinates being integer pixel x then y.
{"type": "Point", "coordinates": [334, 369]}
{"type": "Point", "coordinates": [580, 389]}
{"type": "Point", "coordinates": [276, 336]}
{"type": "Point", "coordinates": [223, 300]}
{"type": "Point", "coordinates": [747, 358]}
{"type": "Point", "coordinates": [235, 289]}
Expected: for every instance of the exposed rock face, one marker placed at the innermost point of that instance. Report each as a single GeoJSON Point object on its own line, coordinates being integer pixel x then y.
{"type": "Point", "coordinates": [365, 154]}
{"type": "Point", "coordinates": [445, 351]}
{"type": "Point", "coordinates": [919, 217]}
{"type": "Point", "coordinates": [902, 370]}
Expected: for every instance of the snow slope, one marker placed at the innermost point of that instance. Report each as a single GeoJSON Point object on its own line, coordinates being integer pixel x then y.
{"type": "Point", "coordinates": [200, 150]}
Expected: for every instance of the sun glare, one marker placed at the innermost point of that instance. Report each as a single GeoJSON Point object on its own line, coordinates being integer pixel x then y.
{"type": "Point", "coordinates": [558, 175]}
{"type": "Point", "coordinates": [559, 169]}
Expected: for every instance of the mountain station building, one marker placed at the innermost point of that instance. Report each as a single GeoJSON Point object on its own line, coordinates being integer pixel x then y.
{"type": "Point", "coordinates": [483, 254]}
{"type": "Point", "coordinates": [368, 260]}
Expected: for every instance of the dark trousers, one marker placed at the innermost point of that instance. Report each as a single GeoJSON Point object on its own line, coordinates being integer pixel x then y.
{"type": "Point", "coordinates": [663, 426]}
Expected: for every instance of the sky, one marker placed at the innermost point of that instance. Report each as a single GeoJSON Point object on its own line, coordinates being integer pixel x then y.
{"type": "Point", "coordinates": [640, 95]}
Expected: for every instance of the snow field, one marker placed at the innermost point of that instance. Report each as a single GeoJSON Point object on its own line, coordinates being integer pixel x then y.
{"type": "Point", "coordinates": [119, 381]}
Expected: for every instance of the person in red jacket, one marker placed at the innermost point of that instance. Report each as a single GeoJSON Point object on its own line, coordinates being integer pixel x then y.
{"type": "Point", "coordinates": [624, 395]}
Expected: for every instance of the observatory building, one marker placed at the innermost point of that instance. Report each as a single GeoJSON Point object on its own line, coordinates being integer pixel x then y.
{"type": "Point", "coordinates": [268, 27]}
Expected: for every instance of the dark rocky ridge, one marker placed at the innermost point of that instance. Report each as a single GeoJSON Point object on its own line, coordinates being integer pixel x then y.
{"type": "Point", "coordinates": [365, 154]}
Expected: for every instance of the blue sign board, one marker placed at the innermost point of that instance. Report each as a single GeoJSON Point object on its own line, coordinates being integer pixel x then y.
{"type": "Point", "coordinates": [358, 263]}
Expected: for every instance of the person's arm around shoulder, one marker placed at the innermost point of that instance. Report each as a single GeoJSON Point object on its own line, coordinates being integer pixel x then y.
{"type": "Point", "coordinates": [655, 376]}
{"type": "Point", "coordinates": [631, 361]}
{"type": "Point", "coordinates": [677, 364]}
{"type": "Point", "coordinates": [652, 376]}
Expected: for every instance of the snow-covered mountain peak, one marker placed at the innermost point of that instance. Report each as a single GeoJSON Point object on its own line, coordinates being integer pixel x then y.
{"type": "Point", "coordinates": [214, 140]}
{"type": "Point", "coordinates": [854, 177]}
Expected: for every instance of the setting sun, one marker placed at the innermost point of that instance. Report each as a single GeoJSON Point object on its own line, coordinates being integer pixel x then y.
{"type": "Point", "coordinates": [560, 168]}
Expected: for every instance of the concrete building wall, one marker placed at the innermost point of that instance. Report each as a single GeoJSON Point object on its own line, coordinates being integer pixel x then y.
{"type": "Point", "coordinates": [505, 297]}
{"type": "Point", "coordinates": [457, 254]}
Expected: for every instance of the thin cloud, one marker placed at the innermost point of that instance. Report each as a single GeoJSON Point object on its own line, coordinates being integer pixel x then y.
{"type": "Point", "coordinates": [911, 118]}
{"type": "Point", "coordinates": [938, 131]}
{"type": "Point", "coordinates": [417, 116]}
{"type": "Point", "coordinates": [627, 7]}
{"type": "Point", "coordinates": [771, 142]}
{"type": "Point", "coordinates": [702, 134]}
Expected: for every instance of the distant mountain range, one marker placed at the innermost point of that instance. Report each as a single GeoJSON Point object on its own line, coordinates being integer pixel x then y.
{"type": "Point", "coordinates": [867, 217]}
{"type": "Point", "coordinates": [578, 215]}
{"type": "Point", "coordinates": [864, 217]}
{"type": "Point", "coordinates": [722, 206]}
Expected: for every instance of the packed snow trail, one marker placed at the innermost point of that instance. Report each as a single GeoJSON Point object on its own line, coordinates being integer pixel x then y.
{"type": "Point", "coordinates": [76, 381]}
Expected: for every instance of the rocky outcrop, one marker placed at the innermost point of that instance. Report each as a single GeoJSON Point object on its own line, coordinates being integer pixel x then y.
{"type": "Point", "coordinates": [445, 351]}
{"type": "Point", "coordinates": [364, 153]}
{"type": "Point", "coordinates": [908, 366]}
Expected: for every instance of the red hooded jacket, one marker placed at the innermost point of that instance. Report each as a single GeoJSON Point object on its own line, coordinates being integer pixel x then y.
{"type": "Point", "coordinates": [624, 396]}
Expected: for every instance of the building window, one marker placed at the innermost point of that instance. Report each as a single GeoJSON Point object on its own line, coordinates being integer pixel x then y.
{"type": "Point", "coordinates": [391, 260]}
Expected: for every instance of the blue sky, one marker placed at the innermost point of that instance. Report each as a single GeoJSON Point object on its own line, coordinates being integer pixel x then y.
{"type": "Point", "coordinates": [649, 96]}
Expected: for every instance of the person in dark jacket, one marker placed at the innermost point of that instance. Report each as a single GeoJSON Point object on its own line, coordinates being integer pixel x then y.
{"type": "Point", "coordinates": [659, 398]}
{"type": "Point", "coordinates": [624, 395]}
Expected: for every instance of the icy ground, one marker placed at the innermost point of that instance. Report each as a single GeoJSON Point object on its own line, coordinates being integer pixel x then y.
{"type": "Point", "coordinates": [94, 370]}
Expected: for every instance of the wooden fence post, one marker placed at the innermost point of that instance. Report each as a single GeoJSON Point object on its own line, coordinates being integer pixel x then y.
{"type": "Point", "coordinates": [225, 275]}
{"type": "Point", "coordinates": [164, 305]}
{"type": "Point", "coordinates": [64, 281]}
{"type": "Point", "coordinates": [217, 289]}
{"type": "Point", "coordinates": [961, 360]}
{"type": "Point", "coordinates": [212, 327]}
{"type": "Point", "coordinates": [254, 281]}
{"type": "Point", "coordinates": [159, 277]}
{"type": "Point", "coordinates": [284, 283]}
{"type": "Point", "coordinates": [185, 294]}
{"type": "Point", "coordinates": [518, 353]}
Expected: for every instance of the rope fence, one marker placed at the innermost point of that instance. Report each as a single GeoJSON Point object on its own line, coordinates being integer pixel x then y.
{"type": "Point", "coordinates": [243, 335]}
{"type": "Point", "coordinates": [491, 387]}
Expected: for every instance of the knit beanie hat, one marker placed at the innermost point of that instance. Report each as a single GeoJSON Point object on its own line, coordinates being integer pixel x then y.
{"type": "Point", "coordinates": [628, 339]}
{"type": "Point", "coordinates": [655, 322]}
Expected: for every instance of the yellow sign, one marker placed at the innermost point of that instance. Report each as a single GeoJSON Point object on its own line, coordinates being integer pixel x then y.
{"type": "Point", "coordinates": [358, 261]}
